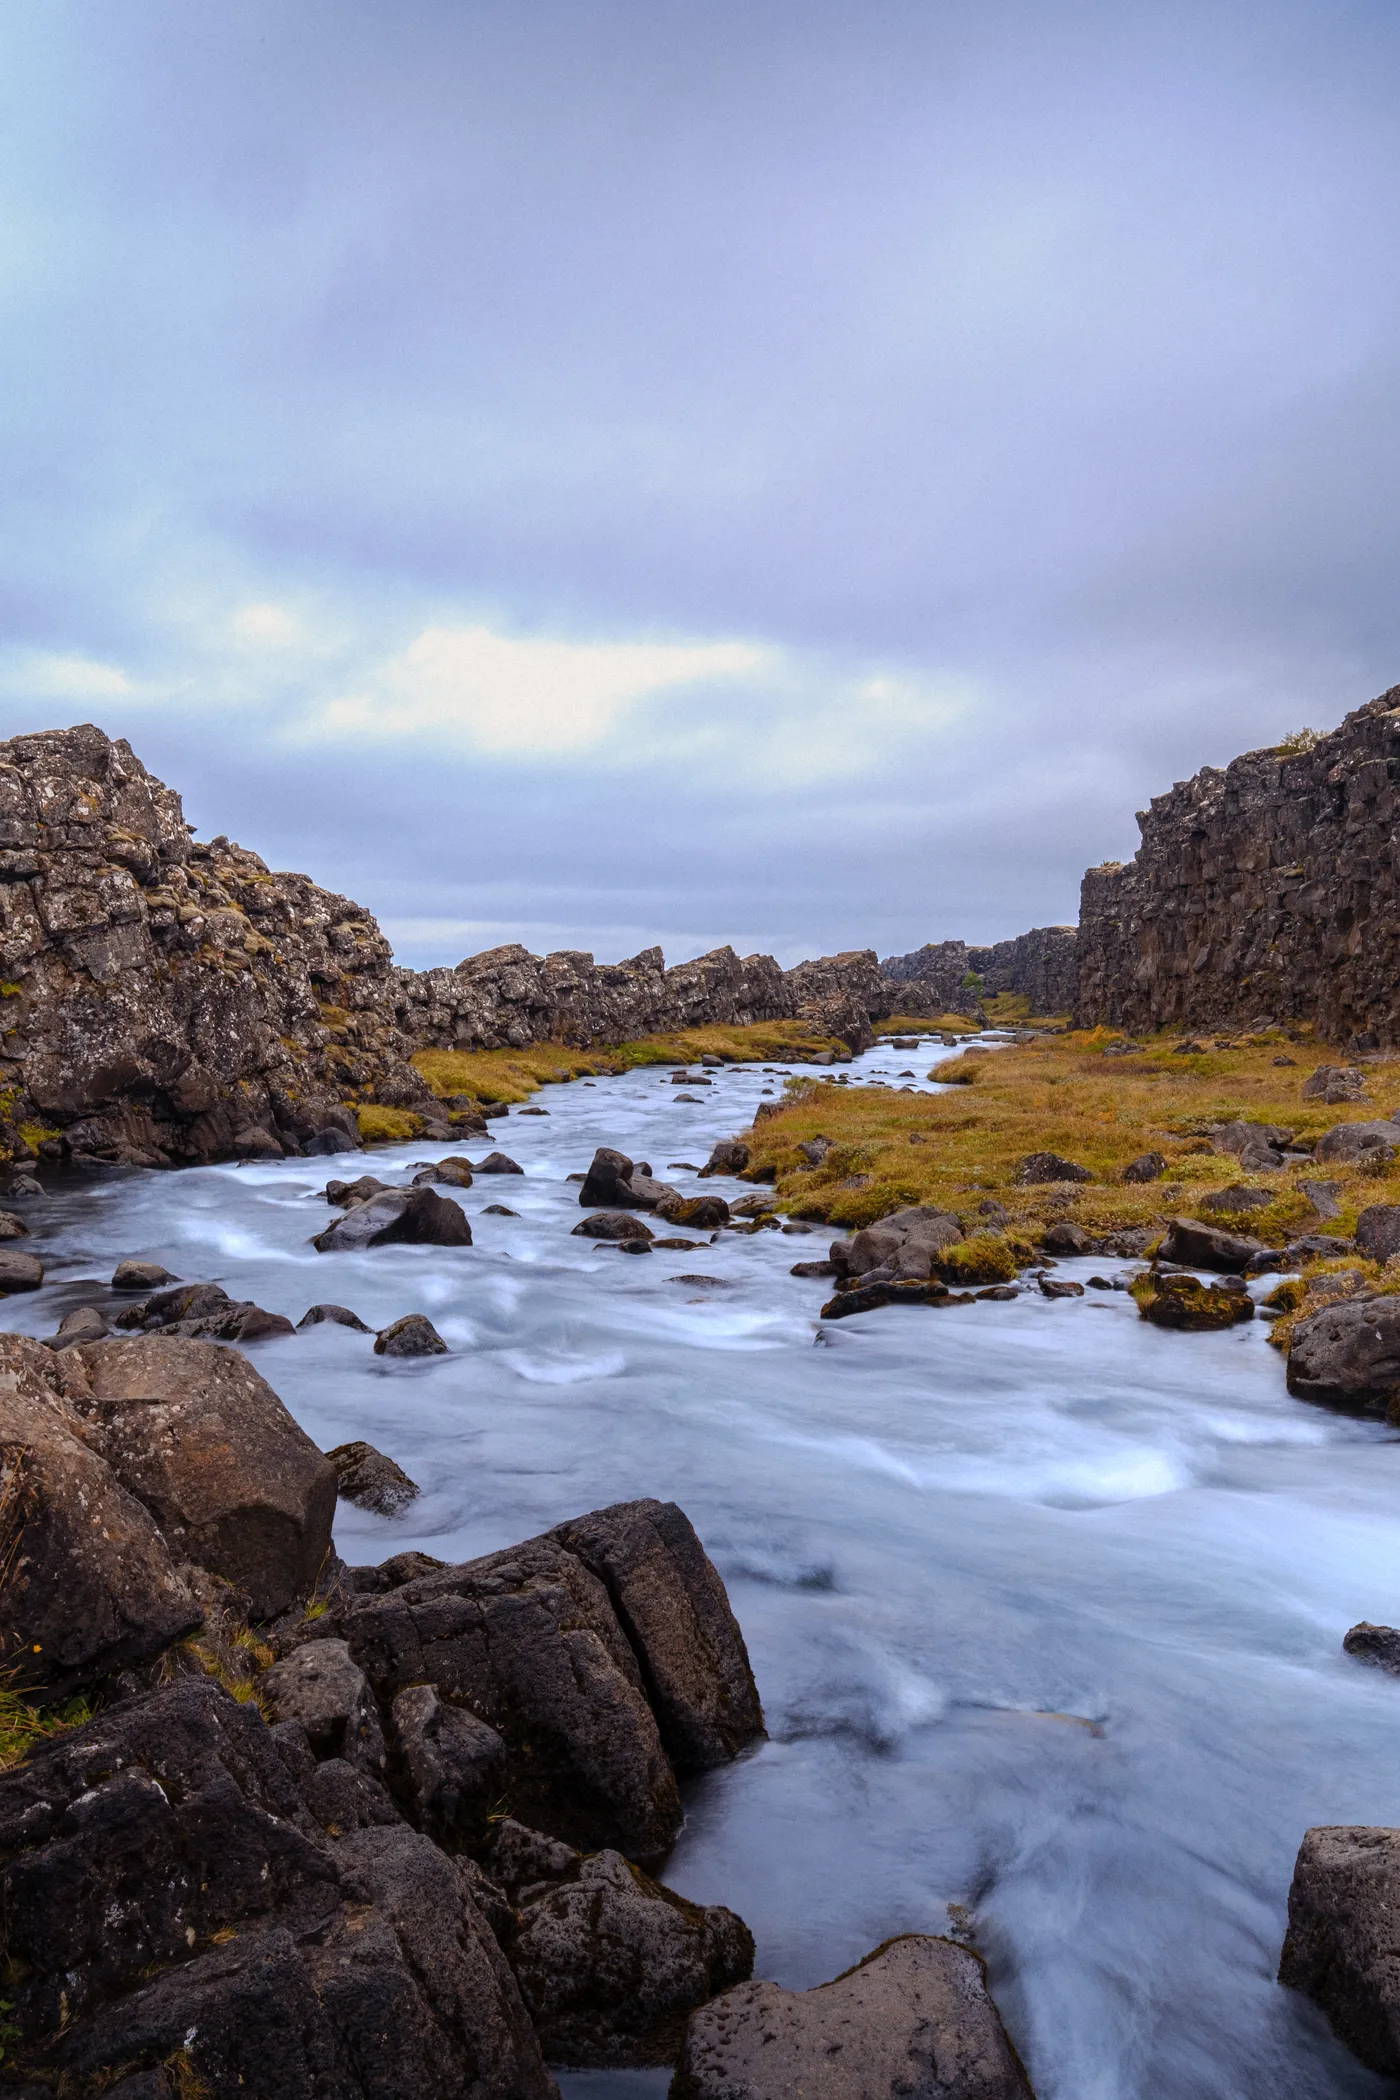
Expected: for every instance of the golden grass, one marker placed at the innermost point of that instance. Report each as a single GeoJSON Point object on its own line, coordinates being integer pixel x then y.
{"type": "Point", "coordinates": [387, 1125]}
{"type": "Point", "coordinates": [513, 1075]}
{"type": "Point", "coordinates": [1061, 1094]}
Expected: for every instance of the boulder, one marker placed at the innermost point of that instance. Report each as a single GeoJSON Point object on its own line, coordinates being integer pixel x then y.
{"type": "Point", "coordinates": [527, 1640]}
{"type": "Point", "coordinates": [327, 1141]}
{"type": "Point", "coordinates": [413, 1335]}
{"type": "Point", "coordinates": [913, 2021]}
{"type": "Point", "coordinates": [1357, 1144]}
{"type": "Point", "coordinates": [1347, 1355]}
{"type": "Point", "coordinates": [1189, 1306]}
{"type": "Point", "coordinates": [1334, 1084]}
{"type": "Point", "coordinates": [344, 1193]}
{"type": "Point", "coordinates": [20, 1272]}
{"type": "Point", "coordinates": [1198, 1246]}
{"type": "Point", "coordinates": [1049, 1166]}
{"type": "Point", "coordinates": [336, 1315]}
{"type": "Point", "coordinates": [1066, 1238]}
{"type": "Point", "coordinates": [12, 1227]}
{"type": "Point", "coordinates": [1340, 1945]}
{"type": "Point", "coordinates": [1257, 1146]}
{"type": "Point", "coordinates": [175, 1907]}
{"type": "Point", "coordinates": [1377, 1645]}
{"type": "Point", "coordinates": [203, 1312]}
{"type": "Point", "coordinates": [372, 1481]}
{"type": "Point", "coordinates": [1239, 1196]}
{"type": "Point", "coordinates": [614, 1182]}
{"type": "Point", "coordinates": [135, 1275]}
{"type": "Point", "coordinates": [1323, 1197]}
{"type": "Point", "coordinates": [450, 1768]}
{"type": "Point", "coordinates": [868, 1297]}
{"type": "Point", "coordinates": [85, 1324]}
{"type": "Point", "coordinates": [499, 1210]}
{"type": "Point", "coordinates": [320, 1686]}
{"type": "Point", "coordinates": [701, 1213]}
{"type": "Point", "coordinates": [673, 1608]}
{"type": "Point", "coordinates": [1060, 1287]}
{"type": "Point", "coordinates": [612, 1225]}
{"type": "Point", "coordinates": [91, 1586]}
{"type": "Point", "coordinates": [610, 1963]}
{"type": "Point", "coordinates": [253, 1142]}
{"type": "Point", "coordinates": [813, 1268]}
{"type": "Point", "coordinates": [415, 1217]}
{"type": "Point", "coordinates": [498, 1163]}
{"type": "Point", "coordinates": [204, 1442]}
{"type": "Point", "coordinates": [729, 1156]}
{"type": "Point", "coordinates": [1148, 1166]}
{"type": "Point", "coordinates": [449, 1173]}
{"type": "Point", "coordinates": [1378, 1231]}
{"type": "Point", "coordinates": [906, 1244]}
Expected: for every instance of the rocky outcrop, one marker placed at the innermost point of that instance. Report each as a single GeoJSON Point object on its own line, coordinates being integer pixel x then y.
{"type": "Point", "coordinates": [914, 2018]}
{"type": "Point", "coordinates": [1263, 890]}
{"type": "Point", "coordinates": [1347, 1355]}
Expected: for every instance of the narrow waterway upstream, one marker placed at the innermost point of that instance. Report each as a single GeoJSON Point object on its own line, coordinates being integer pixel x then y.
{"type": "Point", "coordinates": [1045, 1605]}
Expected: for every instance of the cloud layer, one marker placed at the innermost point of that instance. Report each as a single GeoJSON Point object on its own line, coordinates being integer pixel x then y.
{"type": "Point", "coordinates": [797, 475]}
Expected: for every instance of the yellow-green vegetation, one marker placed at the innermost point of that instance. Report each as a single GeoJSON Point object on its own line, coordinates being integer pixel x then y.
{"type": "Point", "coordinates": [387, 1126]}
{"type": "Point", "coordinates": [513, 1075]}
{"type": "Point", "coordinates": [1323, 1283]}
{"type": "Point", "coordinates": [985, 1257]}
{"type": "Point", "coordinates": [24, 1722]}
{"type": "Point", "coordinates": [1062, 1094]}
{"type": "Point", "coordinates": [946, 1024]}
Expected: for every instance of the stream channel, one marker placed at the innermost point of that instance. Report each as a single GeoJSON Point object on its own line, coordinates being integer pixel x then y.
{"type": "Point", "coordinates": [1045, 1605]}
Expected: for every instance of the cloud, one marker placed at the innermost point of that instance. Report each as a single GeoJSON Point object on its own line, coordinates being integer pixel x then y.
{"type": "Point", "coordinates": [498, 693]}
{"type": "Point", "coordinates": [78, 679]}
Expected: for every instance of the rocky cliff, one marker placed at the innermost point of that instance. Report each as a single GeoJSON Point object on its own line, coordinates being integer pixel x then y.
{"type": "Point", "coordinates": [1266, 890]}
{"type": "Point", "coordinates": [1039, 966]}
{"type": "Point", "coordinates": [164, 1001]}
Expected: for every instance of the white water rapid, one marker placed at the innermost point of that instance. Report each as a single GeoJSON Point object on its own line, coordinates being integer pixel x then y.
{"type": "Point", "coordinates": [1045, 1605]}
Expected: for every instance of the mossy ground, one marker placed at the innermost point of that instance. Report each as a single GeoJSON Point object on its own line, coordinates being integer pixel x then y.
{"type": "Point", "coordinates": [514, 1075]}
{"type": "Point", "coordinates": [24, 1723]}
{"type": "Point", "coordinates": [1062, 1094]}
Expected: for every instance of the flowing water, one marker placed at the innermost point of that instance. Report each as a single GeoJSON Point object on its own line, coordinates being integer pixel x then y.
{"type": "Point", "coordinates": [1045, 1605]}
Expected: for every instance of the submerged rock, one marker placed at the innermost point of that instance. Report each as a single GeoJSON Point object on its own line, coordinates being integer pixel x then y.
{"type": "Point", "coordinates": [913, 2021]}
{"type": "Point", "coordinates": [335, 1315]}
{"type": "Point", "coordinates": [203, 1312]}
{"type": "Point", "coordinates": [372, 1481]}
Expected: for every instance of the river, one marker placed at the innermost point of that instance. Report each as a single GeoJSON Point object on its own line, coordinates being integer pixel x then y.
{"type": "Point", "coordinates": [1045, 1605]}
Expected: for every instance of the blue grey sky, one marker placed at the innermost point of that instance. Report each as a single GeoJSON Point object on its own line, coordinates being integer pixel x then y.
{"type": "Point", "coordinates": [596, 473]}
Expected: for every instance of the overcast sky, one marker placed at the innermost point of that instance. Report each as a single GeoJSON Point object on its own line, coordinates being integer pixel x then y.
{"type": "Point", "coordinates": [597, 472]}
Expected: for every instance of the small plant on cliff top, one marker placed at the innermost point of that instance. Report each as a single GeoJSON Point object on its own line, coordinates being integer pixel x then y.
{"type": "Point", "coordinates": [1297, 744]}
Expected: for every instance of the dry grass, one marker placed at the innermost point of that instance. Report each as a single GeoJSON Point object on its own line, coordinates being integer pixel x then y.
{"type": "Point", "coordinates": [387, 1126]}
{"type": "Point", "coordinates": [513, 1075]}
{"type": "Point", "coordinates": [1062, 1094]}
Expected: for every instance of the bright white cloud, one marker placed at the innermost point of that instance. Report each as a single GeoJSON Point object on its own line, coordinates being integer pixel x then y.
{"type": "Point", "coordinates": [502, 694]}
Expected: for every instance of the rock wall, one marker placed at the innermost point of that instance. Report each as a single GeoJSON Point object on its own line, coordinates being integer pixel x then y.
{"type": "Point", "coordinates": [165, 1001]}
{"type": "Point", "coordinates": [1263, 891]}
{"type": "Point", "coordinates": [1040, 965]}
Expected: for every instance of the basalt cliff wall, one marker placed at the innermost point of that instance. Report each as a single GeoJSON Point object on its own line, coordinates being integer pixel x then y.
{"type": "Point", "coordinates": [166, 1001]}
{"type": "Point", "coordinates": [1263, 891]}
{"type": "Point", "coordinates": [1040, 965]}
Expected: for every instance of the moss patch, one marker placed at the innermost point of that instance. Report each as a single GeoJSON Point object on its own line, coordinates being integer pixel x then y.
{"type": "Point", "coordinates": [514, 1075]}
{"type": "Point", "coordinates": [387, 1125]}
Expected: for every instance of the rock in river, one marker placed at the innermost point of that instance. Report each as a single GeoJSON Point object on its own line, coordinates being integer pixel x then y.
{"type": "Point", "coordinates": [335, 1316]}
{"type": "Point", "coordinates": [20, 1272]}
{"type": "Point", "coordinates": [1189, 1306]}
{"type": "Point", "coordinates": [413, 1335]}
{"type": "Point", "coordinates": [612, 1225]}
{"type": "Point", "coordinates": [137, 1275]}
{"type": "Point", "coordinates": [614, 1182]}
{"type": "Point", "coordinates": [1340, 1947]}
{"type": "Point", "coordinates": [369, 1479]}
{"type": "Point", "coordinates": [416, 1217]}
{"type": "Point", "coordinates": [913, 2021]}
{"type": "Point", "coordinates": [1377, 1645]}
{"type": "Point", "coordinates": [1347, 1355]}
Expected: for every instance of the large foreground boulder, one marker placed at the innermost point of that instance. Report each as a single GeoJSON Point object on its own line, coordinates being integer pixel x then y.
{"type": "Point", "coordinates": [174, 1908]}
{"type": "Point", "coordinates": [196, 1435]}
{"type": "Point", "coordinates": [1341, 1943]}
{"type": "Point", "coordinates": [1347, 1355]}
{"type": "Point", "coordinates": [88, 1584]}
{"type": "Point", "coordinates": [913, 2021]}
{"type": "Point", "coordinates": [674, 1610]}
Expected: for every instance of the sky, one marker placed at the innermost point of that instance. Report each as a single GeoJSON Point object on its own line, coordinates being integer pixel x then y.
{"type": "Point", "coordinates": [604, 472]}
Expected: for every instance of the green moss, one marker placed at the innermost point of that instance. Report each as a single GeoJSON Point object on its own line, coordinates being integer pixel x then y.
{"type": "Point", "coordinates": [34, 1134]}
{"type": "Point", "coordinates": [987, 1257]}
{"type": "Point", "coordinates": [25, 1722]}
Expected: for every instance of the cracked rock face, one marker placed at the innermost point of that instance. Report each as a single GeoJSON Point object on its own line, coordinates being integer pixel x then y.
{"type": "Point", "coordinates": [1267, 888]}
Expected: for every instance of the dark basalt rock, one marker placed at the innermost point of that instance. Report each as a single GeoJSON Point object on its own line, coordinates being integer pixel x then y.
{"type": "Point", "coordinates": [1378, 1231]}
{"type": "Point", "coordinates": [413, 1217]}
{"type": "Point", "coordinates": [1060, 1287]}
{"type": "Point", "coordinates": [1148, 1166]}
{"type": "Point", "coordinates": [612, 1225]}
{"type": "Point", "coordinates": [413, 1335]}
{"type": "Point", "coordinates": [1198, 1246]}
{"type": "Point", "coordinates": [328, 1141]}
{"type": "Point", "coordinates": [527, 1640]}
{"type": "Point", "coordinates": [906, 1245]}
{"type": "Point", "coordinates": [371, 1480]}
{"type": "Point", "coordinates": [322, 1688]}
{"type": "Point", "coordinates": [868, 1297]}
{"type": "Point", "coordinates": [135, 1275]}
{"type": "Point", "coordinates": [450, 1768]}
{"type": "Point", "coordinates": [1066, 1238]}
{"type": "Point", "coordinates": [344, 1193]}
{"type": "Point", "coordinates": [1354, 1144]}
{"type": "Point", "coordinates": [449, 1173]}
{"type": "Point", "coordinates": [1049, 1166]}
{"type": "Point", "coordinates": [336, 1315]}
{"type": "Point", "coordinates": [729, 1156]}
{"type": "Point", "coordinates": [913, 2021]}
{"type": "Point", "coordinates": [1377, 1645]}
{"type": "Point", "coordinates": [499, 1163]}
{"type": "Point", "coordinates": [1340, 1946]}
{"type": "Point", "coordinates": [672, 1606]}
{"type": "Point", "coordinates": [204, 1442]}
{"type": "Point", "coordinates": [203, 1312]}
{"type": "Point", "coordinates": [250, 1949]}
{"type": "Point", "coordinates": [701, 1213]}
{"type": "Point", "coordinates": [1187, 1305]}
{"type": "Point", "coordinates": [1347, 1356]}
{"type": "Point", "coordinates": [1239, 1196]}
{"type": "Point", "coordinates": [85, 1324]}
